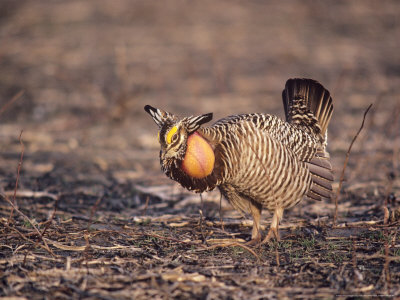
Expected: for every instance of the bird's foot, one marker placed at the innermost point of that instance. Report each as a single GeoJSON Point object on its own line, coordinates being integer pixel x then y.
{"type": "Point", "coordinates": [272, 233]}
{"type": "Point", "coordinates": [255, 241]}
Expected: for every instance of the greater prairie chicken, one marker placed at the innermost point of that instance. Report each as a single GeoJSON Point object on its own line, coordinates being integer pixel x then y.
{"type": "Point", "coordinates": [256, 160]}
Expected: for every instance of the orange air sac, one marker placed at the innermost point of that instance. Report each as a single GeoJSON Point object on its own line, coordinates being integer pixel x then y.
{"type": "Point", "coordinates": [199, 158]}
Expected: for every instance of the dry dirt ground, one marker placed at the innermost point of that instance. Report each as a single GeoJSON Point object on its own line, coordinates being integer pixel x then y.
{"type": "Point", "coordinates": [97, 219]}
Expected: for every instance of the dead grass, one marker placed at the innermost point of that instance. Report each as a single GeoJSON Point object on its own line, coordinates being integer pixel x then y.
{"type": "Point", "coordinates": [166, 257]}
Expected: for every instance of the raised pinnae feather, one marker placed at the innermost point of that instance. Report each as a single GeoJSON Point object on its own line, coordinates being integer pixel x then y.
{"type": "Point", "coordinates": [194, 123]}
{"type": "Point", "coordinates": [159, 116]}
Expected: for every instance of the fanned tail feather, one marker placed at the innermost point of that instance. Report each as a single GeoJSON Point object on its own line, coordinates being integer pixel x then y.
{"type": "Point", "coordinates": [309, 105]}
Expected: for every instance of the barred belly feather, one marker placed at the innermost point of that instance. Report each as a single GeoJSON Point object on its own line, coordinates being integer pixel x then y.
{"type": "Point", "coordinates": [261, 167]}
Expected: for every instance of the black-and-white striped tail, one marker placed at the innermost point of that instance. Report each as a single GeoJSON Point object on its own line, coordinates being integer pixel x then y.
{"type": "Point", "coordinates": [308, 105]}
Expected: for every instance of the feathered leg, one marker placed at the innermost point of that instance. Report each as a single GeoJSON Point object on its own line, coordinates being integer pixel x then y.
{"type": "Point", "coordinates": [255, 211]}
{"type": "Point", "coordinates": [274, 229]}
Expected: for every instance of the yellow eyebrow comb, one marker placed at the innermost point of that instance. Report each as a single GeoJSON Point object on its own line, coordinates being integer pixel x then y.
{"type": "Point", "coordinates": [171, 133]}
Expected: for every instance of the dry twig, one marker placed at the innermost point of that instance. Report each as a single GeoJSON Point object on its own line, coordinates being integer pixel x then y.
{"type": "Point", "coordinates": [146, 205]}
{"type": "Point", "coordinates": [220, 212]}
{"type": "Point", "coordinates": [48, 222]}
{"type": "Point", "coordinates": [235, 245]}
{"type": "Point", "coordinates": [201, 223]}
{"type": "Point", "coordinates": [32, 194]}
{"type": "Point", "coordinates": [17, 179]}
{"type": "Point", "coordinates": [345, 165]}
{"type": "Point", "coordinates": [45, 246]}
{"type": "Point", "coordinates": [14, 205]}
{"type": "Point", "coordinates": [93, 211]}
{"type": "Point", "coordinates": [13, 99]}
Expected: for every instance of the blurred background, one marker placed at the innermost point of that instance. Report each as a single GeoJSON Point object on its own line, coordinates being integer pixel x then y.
{"type": "Point", "coordinates": [87, 68]}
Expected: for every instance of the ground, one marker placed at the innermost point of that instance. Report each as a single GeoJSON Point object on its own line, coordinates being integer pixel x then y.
{"type": "Point", "coordinates": [95, 217]}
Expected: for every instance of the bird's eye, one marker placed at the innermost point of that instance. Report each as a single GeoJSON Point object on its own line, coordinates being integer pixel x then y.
{"type": "Point", "coordinates": [174, 137]}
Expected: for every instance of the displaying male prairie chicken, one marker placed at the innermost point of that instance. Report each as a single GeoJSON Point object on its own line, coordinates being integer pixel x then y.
{"type": "Point", "coordinates": [256, 160]}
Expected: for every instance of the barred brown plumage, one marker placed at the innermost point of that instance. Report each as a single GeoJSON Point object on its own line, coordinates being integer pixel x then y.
{"type": "Point", "coordinates": [261, 161]}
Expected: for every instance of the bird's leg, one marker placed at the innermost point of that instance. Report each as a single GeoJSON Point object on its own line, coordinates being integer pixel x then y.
{"type": "Point", "coordinates": [255, 211]}
{"type": "Point", "coordinates": [274, 229]}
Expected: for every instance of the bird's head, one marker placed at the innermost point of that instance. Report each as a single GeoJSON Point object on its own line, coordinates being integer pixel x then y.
{"type": "Point", "coordinates": [173, 134]}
